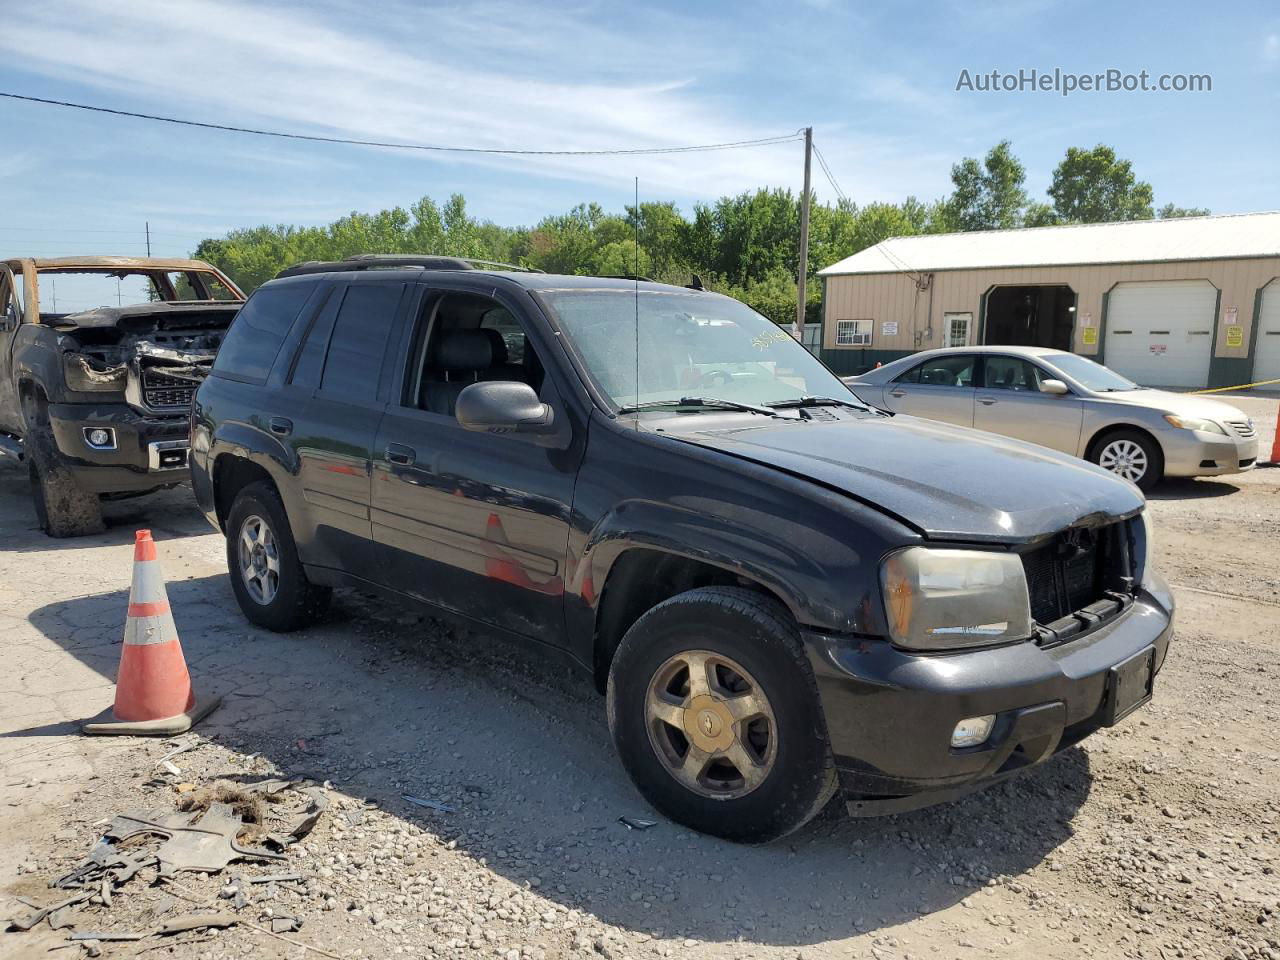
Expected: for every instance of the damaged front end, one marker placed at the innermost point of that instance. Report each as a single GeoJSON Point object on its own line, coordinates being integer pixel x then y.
{"type": "Point", "coordinates": [156, 372]}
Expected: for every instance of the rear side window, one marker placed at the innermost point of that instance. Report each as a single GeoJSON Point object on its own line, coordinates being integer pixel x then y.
{"type": "Point", "coordinates": [360, 334]}
{"type": "Point", "coordinates": [953, 371]}
{"type": "Point", "coordinates": [259, 329]}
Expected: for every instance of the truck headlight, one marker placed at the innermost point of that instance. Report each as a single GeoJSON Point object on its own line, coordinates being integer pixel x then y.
{"type": "Point", "coordinates": [947, 599]}
{"type": "Point", "coordinates": [86, 374]}
{"type": "Point", "coordinates": [1195, 423]}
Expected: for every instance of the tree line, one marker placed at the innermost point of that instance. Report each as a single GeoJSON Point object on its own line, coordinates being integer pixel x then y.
{"type": "Point", "coordinates": [744, 245]}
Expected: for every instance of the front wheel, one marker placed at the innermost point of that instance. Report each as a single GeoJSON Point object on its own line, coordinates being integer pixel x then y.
{"type": "Point", "coordinates": [1132, 456]}
{"type": "Point", "coordinates": [714, 712]}
{"type": "Point", "coordinates": [266, 575]}
{"type": "Point", "coordinates": [63, 507]}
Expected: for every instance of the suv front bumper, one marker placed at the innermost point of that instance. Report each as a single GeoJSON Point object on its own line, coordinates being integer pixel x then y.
{"type": "Point", "coordinates": [149, 452]}
{"type": "Point", "coordinates": [890, 713]}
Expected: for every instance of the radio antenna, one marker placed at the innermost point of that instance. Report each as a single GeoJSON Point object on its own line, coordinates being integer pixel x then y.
{"type": "Point", "coordinates": [636, 275]}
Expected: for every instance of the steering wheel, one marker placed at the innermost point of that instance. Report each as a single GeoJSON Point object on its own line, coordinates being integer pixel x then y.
{"type": "Point", "coordinates": [713, 378]}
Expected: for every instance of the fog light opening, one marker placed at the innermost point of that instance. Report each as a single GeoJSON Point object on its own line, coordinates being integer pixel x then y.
{"type": "Point", "coordinates": [100, 438]}
{"type": "Point", "coordinates": [973, 732]}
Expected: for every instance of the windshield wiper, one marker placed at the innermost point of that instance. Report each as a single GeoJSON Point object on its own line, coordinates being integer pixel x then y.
{"type": "Point", "coordinates": [705, 403]}
{"type": "Point", "coordinates": [809, 401]}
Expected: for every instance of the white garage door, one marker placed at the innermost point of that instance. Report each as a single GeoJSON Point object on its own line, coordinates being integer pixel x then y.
{"type": "Point", "coordinates": [1266, 351]}
{"type": "Point", "coordinates": [1161, 334]}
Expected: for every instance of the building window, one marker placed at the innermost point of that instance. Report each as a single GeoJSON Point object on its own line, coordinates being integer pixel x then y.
{"type": "Point", "coordinates": [957, 325]}
{"type": "Point", "coordinates": [853, 333]}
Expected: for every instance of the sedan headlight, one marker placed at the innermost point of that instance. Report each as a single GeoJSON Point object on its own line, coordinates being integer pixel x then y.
{"type": "Point", "coordinates": [946, 599]}
{"type": "Point", "coordinates": [1195, 423]}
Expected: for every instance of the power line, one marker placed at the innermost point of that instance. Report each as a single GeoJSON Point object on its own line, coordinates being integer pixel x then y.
{"type": "Point", "coordinates": [437, 148]}
{"type": "Point", "coordinates": [822, 162]}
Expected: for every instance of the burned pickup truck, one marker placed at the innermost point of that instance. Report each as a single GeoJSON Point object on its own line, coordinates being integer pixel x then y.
{"type": "Point", "coordinates": [99, 359]}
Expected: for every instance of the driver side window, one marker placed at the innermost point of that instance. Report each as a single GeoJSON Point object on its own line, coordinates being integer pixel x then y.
{"type": "Point", "coordinates": [10, 308]}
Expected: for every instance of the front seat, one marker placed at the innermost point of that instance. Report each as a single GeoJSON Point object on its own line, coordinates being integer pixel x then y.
{"type": "Point", "coordinates": [462, 358]}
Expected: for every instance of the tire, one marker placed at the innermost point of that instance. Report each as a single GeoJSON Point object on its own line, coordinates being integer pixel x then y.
{"type": "Point", "coordinates": [1123, 452]}
{"type": "Point", "coordinates": [283, 602]}
{"type": "Point", "coordinates": [63, 507]}
{"type": "Point", "coordinates": [755, 635]}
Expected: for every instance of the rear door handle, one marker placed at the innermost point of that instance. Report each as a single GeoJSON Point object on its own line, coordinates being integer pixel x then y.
{"type": "Point", "coordinates": [280, 426]}
{"type": "Point", "coordinates": [897, 393]}
{"type": "Point", "coordinates": [400, 454]}
{"type": "Point", "coordinates": [986, 401]}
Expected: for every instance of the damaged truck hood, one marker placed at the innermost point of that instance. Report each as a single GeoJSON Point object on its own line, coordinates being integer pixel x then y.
{"type": "Point", "coordinates": [951, 483]}
{"type": "Point", "coordinates": [153, 314]}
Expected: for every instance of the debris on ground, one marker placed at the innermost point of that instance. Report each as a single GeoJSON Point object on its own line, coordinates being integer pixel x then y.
{"type": "Point", "coordinates": [635, 823]}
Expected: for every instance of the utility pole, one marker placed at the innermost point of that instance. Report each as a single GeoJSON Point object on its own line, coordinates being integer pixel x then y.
{"type": "Point", "coordinates": [806, 180]}
{"type": "Point", "coordinates": [802, 274]}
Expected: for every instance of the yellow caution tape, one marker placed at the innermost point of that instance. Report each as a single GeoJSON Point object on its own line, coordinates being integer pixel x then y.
{"type": "Point", "coordinates": [1243, 386]}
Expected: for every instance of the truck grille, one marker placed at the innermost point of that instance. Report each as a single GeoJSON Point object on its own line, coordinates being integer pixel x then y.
{"type": "Point", "coordinates": [163, 391]}
{"type": "Point", "coordinates": [1066, 574]}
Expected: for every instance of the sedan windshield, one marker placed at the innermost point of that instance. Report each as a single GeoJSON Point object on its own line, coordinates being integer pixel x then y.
{"type": "Point", "coordinates": [690, 345]}
{"type": "Point", "coordinates": [1092, 375]}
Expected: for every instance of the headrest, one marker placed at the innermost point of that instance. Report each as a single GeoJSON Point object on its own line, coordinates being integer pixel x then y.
{"type": "Point", "coordinates": [465, 350]}
{"type": "Point", "coordinates": [499, 345]}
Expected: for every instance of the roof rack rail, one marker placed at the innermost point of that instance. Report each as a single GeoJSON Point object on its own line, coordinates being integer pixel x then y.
{"type": "Point", "coordinates": [391, 261]}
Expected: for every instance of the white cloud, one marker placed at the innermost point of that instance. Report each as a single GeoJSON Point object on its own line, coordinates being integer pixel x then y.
{"type": "Point", "coordinates": [1271, 48]}
{"type": "Point", "coordinates": [497, 74]}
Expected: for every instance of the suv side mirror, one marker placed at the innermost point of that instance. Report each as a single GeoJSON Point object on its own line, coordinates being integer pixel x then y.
{"type": "Point", "coordinates": [1056, 387]}
{"type": "Point", "coordinates": [504, 406]}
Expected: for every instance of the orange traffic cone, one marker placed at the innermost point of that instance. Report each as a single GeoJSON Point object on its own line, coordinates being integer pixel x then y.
{"type": "Point", "coordinates": [154, 696]}
{"type": "Point", "coordinates": [1275, 445]}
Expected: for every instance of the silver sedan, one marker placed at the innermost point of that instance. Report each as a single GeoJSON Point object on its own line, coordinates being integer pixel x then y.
{"type": "Point", "coordinates": [1067, 402]}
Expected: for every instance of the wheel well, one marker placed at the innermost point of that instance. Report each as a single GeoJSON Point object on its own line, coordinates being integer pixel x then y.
{"type": "Point", "coordinates": [33, 402]}
{"type": "Point", "coordinates": [641, 579]}
{"type": "Point", "coordinates": [231, 474]}
{"type": "Point", "coordinates": [1105, 432]}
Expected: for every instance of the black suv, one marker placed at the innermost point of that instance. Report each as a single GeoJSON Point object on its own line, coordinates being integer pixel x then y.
{"type": "Point", "coordinates": [782, 590]}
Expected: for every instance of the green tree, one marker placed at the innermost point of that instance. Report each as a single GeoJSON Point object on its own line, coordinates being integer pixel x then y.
{"type": "Point", "coordinates": [1038, 214]}
{"type": "Point", "coordinates": [1095, 186]}
{"type": "Point", "coordinates": [989, 195]}
{"type": "Point", "coordinates": [1171, 212]}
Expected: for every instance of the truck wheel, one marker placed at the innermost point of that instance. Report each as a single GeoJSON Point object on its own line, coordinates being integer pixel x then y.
{"type": "Point", "coordinates": [63, 507]}
{"type": "Point", "coordinates": [266, 575]}
{"type": "Point", "coordinates": [1131, 455]}
{"type": "Point", "coordinates": [714, 711]}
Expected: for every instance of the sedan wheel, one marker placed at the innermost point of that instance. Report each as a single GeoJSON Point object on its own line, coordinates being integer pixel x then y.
{"type": "Point", "coordinates": [1124, 457]}
{"type": "Point", "coordinates": [259, 559]}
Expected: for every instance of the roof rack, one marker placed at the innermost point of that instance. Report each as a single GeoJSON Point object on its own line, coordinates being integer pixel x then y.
{"type": "Point", "coordinates": [391, 261]}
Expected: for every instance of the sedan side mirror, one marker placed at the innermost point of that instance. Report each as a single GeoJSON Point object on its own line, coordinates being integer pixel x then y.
{"type": "Point", "coordinates": [504, 406]}
{"type": "Point", "coordinates": [1056, 387]}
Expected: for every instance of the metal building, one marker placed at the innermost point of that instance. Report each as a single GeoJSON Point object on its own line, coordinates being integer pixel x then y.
{"type": "Point", "coordinates": [1189, 302]}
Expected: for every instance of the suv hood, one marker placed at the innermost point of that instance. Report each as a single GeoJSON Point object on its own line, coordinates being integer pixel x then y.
{"type": "Point", "coordinates": [949, 482]}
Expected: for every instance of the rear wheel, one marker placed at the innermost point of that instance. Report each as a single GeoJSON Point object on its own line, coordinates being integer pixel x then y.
{"type": "Point", "coordinates": [63, 507]}
{"type": "Point", "coordinates": [715, 714]}
{"type": "Point", "coordinates": [266, 575]}
{"type": "Point", "coordinates": [1131, 455]}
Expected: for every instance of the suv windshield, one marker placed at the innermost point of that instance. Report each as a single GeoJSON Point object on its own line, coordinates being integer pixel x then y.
{"type": "Point", "coordinates": [1092, 375]}
{"type": "Point", "coordinates": [690, 344]}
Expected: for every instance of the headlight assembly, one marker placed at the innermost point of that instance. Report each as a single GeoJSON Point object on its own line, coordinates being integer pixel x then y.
{"type": "Point", "coordinates": [1194, 423]}
{"type": "Point", "coordinates": [948, 599]}
{"type": "Point", "coordinates": [86, 374]}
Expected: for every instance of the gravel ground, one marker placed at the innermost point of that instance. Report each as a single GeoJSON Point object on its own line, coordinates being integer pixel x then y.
{"type": "Point", "coordinates": [1158, 838]}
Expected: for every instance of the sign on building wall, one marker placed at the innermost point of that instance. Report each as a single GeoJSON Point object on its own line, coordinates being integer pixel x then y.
{"type": "Point", "coordinates": [1089, 336]}
{"type": "Point", "coordinates": [1235, 334]}
{"type": "Point", "coordinates": [889, 328]}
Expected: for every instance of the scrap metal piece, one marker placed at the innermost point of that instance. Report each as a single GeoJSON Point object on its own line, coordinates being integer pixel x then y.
{"type": "Point", "coordinates": [197, 921]}
{"type": "Point", "coordinates": [206, 844]}
{"type": "Point", "coordinates": [285, 924]}
{"type": "Point", "coordinates": [39, 913]}
{"type": "Point", "coordinates": [635, 823]}
{"type": "Point", "coordinates": [107, 935]}
{"type": "Point", "coordinates": [429, 804]}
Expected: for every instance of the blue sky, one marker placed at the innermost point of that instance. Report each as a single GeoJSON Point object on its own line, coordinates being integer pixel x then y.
{"type": "Point", "coordinates": [876, 81]}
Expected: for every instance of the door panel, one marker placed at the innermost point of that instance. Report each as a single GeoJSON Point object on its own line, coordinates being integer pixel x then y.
{"type": "Point", "coordinates": [940, 388]}
{"type": "Point", "coordinates": [1160, 334]}
{"type": "Point", "coordinates": [1266, 349]}
{"type": "Point", "coordinates": [1010, 403]}
{"type": "Point", "coordinates": [10, 318]}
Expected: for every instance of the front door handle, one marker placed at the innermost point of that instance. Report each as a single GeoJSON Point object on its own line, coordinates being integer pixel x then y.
{"type": "Point", "coordinates": [986, 401]}
{"type": "Point", "coordinates": [280, 426]}
{"type": "Point", "coordinates": [897, 393]}
{"type": "Point", "coordinates": [400, 454]}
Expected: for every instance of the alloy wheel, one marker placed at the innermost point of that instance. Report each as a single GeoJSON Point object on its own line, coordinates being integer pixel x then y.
{"type": "Point", "coordinates": [1124, 458]}
{"type": "Point", "coordinates": [259, 559]}
{"type": "Point", "coordinates": [711, 724]}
